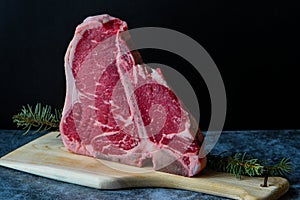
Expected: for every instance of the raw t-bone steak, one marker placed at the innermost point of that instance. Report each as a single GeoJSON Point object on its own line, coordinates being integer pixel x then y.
{"type": "Point", "coordinates": [118, 109]}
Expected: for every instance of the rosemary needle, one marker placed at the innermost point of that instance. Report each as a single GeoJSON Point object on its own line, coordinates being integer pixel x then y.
{"type": "Point", "coordinates": [40, 118]}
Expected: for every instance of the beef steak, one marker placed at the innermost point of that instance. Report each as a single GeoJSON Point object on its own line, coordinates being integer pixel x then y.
{"type": "Point", "coordinates": [119, 110]}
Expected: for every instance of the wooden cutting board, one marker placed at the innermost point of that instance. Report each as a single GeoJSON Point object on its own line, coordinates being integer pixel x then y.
{"type": "Point", "coordinates": [47, 156]}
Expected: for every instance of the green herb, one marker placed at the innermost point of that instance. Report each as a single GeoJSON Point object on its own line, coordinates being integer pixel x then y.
{"type": "Point", "coordinates": [40, 118]}
{"type": "Point", "coordinates": [242, 164]}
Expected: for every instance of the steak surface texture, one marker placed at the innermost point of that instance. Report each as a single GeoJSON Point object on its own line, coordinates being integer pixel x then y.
{"type": "Point", "coordinates": [118, 109]}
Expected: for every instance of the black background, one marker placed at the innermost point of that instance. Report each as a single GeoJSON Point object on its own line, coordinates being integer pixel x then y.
{"type": "Point", "coordinates": [255, 46]}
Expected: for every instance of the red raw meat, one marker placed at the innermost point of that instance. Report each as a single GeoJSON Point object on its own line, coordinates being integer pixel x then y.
{"type": "Point", "coordinates": [119, 110]}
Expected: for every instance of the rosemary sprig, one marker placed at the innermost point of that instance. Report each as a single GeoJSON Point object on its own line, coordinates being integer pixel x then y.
{"type": "Point", "coordinates": [41, 118]}
{"type": "Point", "coordinates": [242, 164]}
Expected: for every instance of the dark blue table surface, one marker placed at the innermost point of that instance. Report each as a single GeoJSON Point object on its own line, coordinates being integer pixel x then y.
{"type": "Point", "coordinates": [262, 144]}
